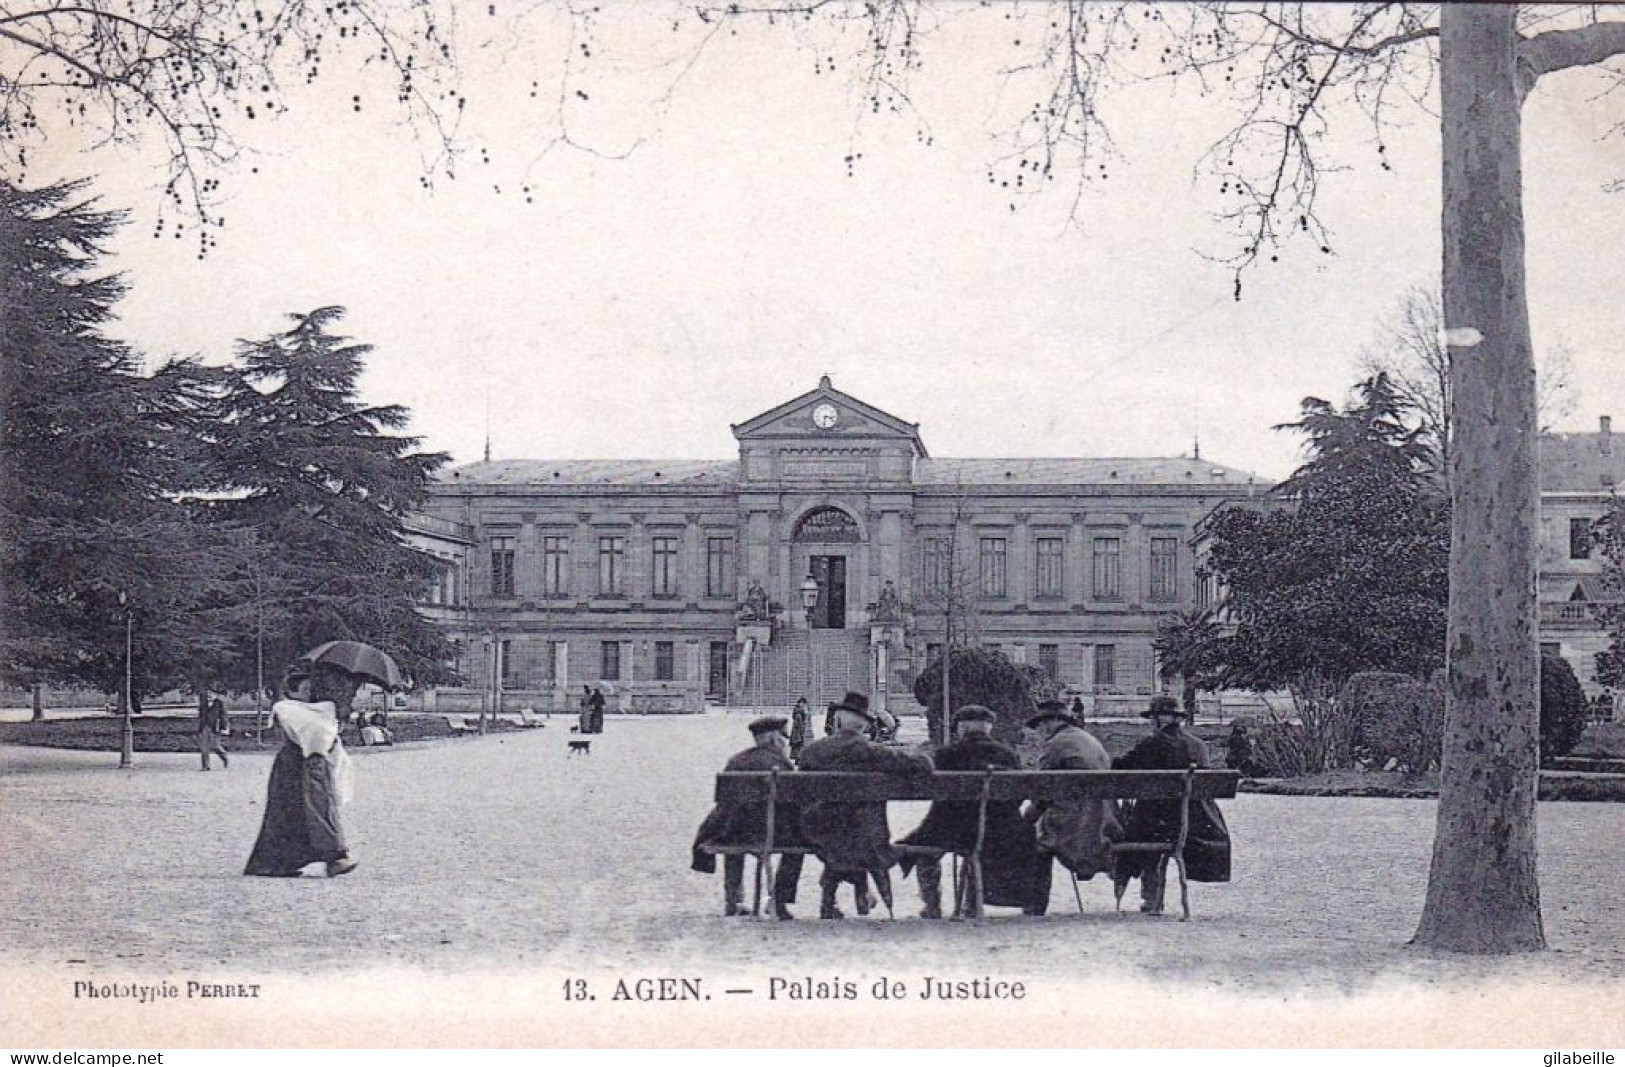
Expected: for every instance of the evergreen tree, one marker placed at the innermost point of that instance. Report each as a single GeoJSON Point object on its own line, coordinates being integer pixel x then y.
{"type": "Point", "coordinates": [91, 451]}
{"type": "Point", "coordinates": [325, 490]}
{"type": "Point", "coordinates": [1349, 576]}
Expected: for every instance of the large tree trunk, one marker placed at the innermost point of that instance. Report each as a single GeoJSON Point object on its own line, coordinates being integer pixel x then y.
{"type": "Point", "coordinates": [1483, 895]}
{"type": "Point", "coordinates": [38, 703]}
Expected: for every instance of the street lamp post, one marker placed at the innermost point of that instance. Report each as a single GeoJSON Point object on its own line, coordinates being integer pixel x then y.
{"type": "Point", "coordinates": [126, 752]}
{"type": "Point", "coordinates": [809, 601]}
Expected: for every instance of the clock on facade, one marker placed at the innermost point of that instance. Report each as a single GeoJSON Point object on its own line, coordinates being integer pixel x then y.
{"type": "Point", "coordinates": [825, 416]}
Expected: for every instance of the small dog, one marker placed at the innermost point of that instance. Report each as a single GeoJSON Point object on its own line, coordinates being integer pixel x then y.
{"type": "Point", "coordinates": [580, 747]}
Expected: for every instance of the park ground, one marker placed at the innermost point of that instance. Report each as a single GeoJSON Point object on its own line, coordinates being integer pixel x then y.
{"type": "Point", "coordinates": [494, 869]}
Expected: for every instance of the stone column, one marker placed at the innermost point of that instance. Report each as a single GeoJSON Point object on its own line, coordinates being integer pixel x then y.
{"type": "Point", "coordinates": [1019, 564]}
{"type": "Point", "coordinates": [1136, 561]}
{"type": "Point", "coordinates": [637, 584]}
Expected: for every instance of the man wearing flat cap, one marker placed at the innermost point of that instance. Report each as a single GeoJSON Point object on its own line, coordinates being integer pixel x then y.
{"type": "Point", "coordinates": [745, 824]}
{"type": "Point", "coordinates": [1080, 832]}
{"type": "Point", "coordinates": [1207, 840]}
{"type": "Point", "coordinates": [1012, 866]}
{"type": "Point", "coordinates": [853, 840]}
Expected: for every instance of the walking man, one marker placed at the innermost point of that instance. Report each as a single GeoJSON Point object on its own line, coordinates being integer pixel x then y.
{"type": "Point", "coordinates": [212, 724]}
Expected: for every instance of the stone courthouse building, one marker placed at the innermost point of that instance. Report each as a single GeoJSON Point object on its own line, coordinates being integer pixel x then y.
{"type": "Point", "coordinates": [833, 554]}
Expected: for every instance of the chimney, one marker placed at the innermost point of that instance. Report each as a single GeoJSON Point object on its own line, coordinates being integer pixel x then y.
{"type": "Point", "coordinates": [1605, 427]}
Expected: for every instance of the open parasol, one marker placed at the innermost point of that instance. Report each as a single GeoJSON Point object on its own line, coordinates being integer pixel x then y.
{"type": "Point", "coordinates": [356, 657]}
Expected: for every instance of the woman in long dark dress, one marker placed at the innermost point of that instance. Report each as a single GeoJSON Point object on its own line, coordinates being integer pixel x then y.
{"type": "Point", "coordinates": [309, 779]}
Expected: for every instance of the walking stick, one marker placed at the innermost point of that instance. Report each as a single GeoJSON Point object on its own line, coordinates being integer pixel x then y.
{"type": "Point", "coordinates": [764, 862]}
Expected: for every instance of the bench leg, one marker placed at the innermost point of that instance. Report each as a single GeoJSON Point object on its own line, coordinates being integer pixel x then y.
{"type": "Point", "coordinates": [1184, 889]}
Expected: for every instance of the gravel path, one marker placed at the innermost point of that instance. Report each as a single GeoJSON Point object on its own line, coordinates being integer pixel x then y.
{"type": "Point", "coordinates": [502, 855]}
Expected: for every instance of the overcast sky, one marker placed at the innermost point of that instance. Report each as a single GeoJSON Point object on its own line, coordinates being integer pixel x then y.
{"type": "Point", "coordinates": [638, 306]}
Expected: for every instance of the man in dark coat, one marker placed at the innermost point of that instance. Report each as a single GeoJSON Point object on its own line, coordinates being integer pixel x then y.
{"type": "Point", "coordinates": [1078, 832]}
{"type": "Point", "coordinates": [853, 840]}
{"type": "Point", "coordinates": [1010, 856]}
{"type": "Point", "coordinates": [1207, 842]}
{"type": "Point", "coordinates": [212, 724]}
{"type": "Point", "coordinates": [746, 825]}
{"type": "Point", "coordinates": [595, 711]}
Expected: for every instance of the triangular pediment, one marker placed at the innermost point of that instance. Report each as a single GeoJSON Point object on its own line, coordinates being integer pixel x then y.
{"type": "Point", "coordinates": [827, 414]}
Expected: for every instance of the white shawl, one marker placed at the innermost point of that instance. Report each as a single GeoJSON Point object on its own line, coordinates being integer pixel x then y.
{"type": "Point", "coordinates": [315, 729]}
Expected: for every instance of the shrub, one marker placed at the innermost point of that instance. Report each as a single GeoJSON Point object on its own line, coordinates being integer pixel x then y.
{"type": "Point", "coordinates": [982, 676]}
{"type": "Point", "coordinates": [1396, 719]}
{"type": "Point", "coordinates": [1563, 707]}
{"type": "Point", "coordinates": [1279, 750]}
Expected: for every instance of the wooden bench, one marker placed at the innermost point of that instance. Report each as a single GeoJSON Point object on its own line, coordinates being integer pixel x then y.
{"type": "Point", "coordinates": [771, 788]}
{"type": "Point", "coordinates": [460, 725]}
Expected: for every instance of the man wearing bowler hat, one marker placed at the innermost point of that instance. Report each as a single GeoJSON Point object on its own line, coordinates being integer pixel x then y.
{"type": "Point", "coordinates": [1012, 866]}
{"type": "Point", "coordinates": [853, 839]}
{"type": "Point", "coordinates": [1207, 840]}
{"type": "Point", "coordinates": [745, 824]}
{"type": "Point", "coordinates": [1079, 832]}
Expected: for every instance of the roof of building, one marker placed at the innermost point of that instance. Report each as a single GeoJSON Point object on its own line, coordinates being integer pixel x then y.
{"type": "Point", "coordinates": [981, 472]}
{"type": "Point", "coordinates": [696, 472]}
{"type": "Point", "coordinates": [1581, 462]}
{"type": "Point", "coordinates": [1071, 471]}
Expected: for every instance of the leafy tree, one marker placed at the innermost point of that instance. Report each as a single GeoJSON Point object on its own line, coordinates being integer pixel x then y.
{"type": "Point", "coordinates": [986, 677]}
{"type": "Point", "coordinates": [323, 492]}
{"type": "Point", "coordinates": [1349, 576]}
{"type": "Point", "coordinates": [1563, 707]}
{"type": "Point", "coordinates": [1188, 646]}
{"type": "Point", "coordinates": [91, 454]}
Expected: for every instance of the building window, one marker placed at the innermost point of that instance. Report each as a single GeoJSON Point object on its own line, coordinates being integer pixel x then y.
{"type": "Point", "coordinates": [719, 566]}
{"type": "Point", "coordinates": [609, 666]}
{"type": "Point", "coordinates": [993, 567]}
{"type": "Point", "coordinates": [508, 673]}
{"type": "Point", "coordinates": [665, 656]}
{"type": "Point", "coordinates": [1580, 538]}
{"type": "Point", "coordinates": [555, 566]}
{"type": "Point", "coordinates": [1105, 665]}
{"type": "Point", "coordinates": [611, 566]}
{"type": "Point", "coordinates": [934, 566]}
{"type": "Point", "coordinates": [1108, 571]}
{"type": "Point", "coordinates": [1164, 568]}
{"type": "Point", "coordinates": [1051, 569]}
{"type": "Point", "coordinates": [502, 566]}
{"type": "Point", "coordinates": [665, 559]}
{"type": "Point", "coordinates": [1049, 661]}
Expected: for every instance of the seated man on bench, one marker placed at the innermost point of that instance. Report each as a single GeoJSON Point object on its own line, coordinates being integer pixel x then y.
{"type": "Point", "coordinates": [1079, 833]}
{"type": "Point", "coordinates": [745, 825]}
{"type": "Point", "coordinates": [1207, 843]}
{"type": "Point", "coordinates": [854, 839]}
{"type": "Point", "coordinates": [1012, 868]}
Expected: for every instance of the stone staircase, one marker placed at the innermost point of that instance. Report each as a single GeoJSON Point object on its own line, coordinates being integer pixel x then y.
{"type": "Point", "coordinates": [820, 665]}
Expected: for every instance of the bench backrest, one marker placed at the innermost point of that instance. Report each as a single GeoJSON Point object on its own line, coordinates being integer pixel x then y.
{"type": "Point", "coordinates": [802, 787]}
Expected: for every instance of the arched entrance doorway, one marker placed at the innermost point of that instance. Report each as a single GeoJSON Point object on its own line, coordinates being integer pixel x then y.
{"type": "Point", "coordinates": [828, 536]}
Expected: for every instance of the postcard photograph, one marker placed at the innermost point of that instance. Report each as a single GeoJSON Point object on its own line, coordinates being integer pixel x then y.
{"type": "Point", "coordinates": [811, 524]}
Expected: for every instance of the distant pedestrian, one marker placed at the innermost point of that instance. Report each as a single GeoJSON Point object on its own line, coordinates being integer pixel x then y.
{"type": "Point", "coordinates": [213, 724]}
{"type": "Point", "coordinates": [595, 712]}
{"type": "Point", "coordinates": [800, 727]}
{"type": "Point", "coordinates": [584, 716]}
{"type": "Point", "coordinates": [310, 778]}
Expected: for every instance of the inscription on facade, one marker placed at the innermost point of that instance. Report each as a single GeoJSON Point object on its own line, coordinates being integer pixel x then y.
{"type": "Point", "coordinates": [824, 468]}
{"type": "Point", "coordinates": [827, 526]}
